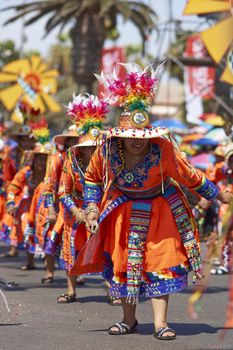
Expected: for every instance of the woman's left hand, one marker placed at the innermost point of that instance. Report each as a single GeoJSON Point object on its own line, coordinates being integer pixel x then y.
{"type": "Point", "coordinates": [52, 215]}
{"type": "Point", "coordinates": [198, 275]}
{"type": "Point", "coordinates": [225, 197]}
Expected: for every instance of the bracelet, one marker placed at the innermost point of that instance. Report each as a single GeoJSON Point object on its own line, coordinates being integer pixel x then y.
{"type": "Point", "coordinates": [92, 209]}
{"type": "Point", "coordinates": [10, 204]}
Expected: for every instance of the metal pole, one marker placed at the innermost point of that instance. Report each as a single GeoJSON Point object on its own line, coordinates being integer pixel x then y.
{"type": "Point", "coordinates": [170, 23]}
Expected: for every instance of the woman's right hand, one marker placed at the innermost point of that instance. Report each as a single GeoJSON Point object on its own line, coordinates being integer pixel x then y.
{"type": "Point", "coordinates": [92, 224]}
{"type": "Point", "coordinates": [79, 215]}
{"type": "Point", "coordinates": [11, 210]}
{"type": "Point", "coordinates": [52, 215]}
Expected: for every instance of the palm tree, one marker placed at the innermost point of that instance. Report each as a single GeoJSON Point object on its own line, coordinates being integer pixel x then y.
{"type": "Point", "coordinates": [91, 21]}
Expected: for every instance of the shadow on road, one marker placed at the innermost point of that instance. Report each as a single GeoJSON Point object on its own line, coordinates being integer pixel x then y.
{"type": "Point", "coordinates": [209, 290]}
{"type": "Point", "coordinates": [182, 329]}
{"type": "Point", "coordinates": [10, 324]}
{"type": "Point", "coordinates": [92, 299]}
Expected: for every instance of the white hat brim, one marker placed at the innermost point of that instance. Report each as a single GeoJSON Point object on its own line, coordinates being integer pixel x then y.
{"type": "Point", "coordinates": [144, 133]}
{"type": "Point", "coordinates": [88, 143]}
{"type": "Point", "coordinates": [60, 139]}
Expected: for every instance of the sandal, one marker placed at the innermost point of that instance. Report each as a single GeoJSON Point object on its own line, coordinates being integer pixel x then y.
{"type": "Point", "coordinates": [221, 270]}
{"type": "Point", "coordinates": [47, 280]}
{"type": "Point", "coordinates": [27, 268]}
{"type": "Point", "coordinates": [123, 328]}
{"type": "Point", "coordinates": [66, 298]}
{"type": "Point", "coordinates": [159, 333]}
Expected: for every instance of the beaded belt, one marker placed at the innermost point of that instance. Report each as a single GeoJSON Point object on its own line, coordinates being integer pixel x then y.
{"type": "Point", "coordinates": [151, 193]}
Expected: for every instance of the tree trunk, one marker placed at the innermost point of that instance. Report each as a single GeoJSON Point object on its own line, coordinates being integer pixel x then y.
{"type": "Point", "coordinates": [87, 35]}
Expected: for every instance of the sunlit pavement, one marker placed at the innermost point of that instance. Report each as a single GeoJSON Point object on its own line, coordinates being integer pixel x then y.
{"type": "Point", "coordinates": [37, 322]}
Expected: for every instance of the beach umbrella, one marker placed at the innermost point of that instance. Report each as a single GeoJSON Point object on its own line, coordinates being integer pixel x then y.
{"type": "Point", "coordinates": [171, 124]}
{"type": "Point", "coordinates": [212, 119]}
{"type": "Point", "coordinates": [217, 134]}
{"type": "Point", "coordinates": [205, 142]}
{"type": "Point", "coordinates": [191, 138]}
{"type": "Point", "coordinates": [205, 116]}
{"type": "Point", "coordinates": [203, 128]}
{"type": "Point", "coordinates": [216, 120]}
{"type": "Point", "coordinates": [202, 161]}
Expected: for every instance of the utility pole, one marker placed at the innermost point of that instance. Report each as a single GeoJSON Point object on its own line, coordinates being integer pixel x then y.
{"type": "Point", "coordinates": [170, 24]}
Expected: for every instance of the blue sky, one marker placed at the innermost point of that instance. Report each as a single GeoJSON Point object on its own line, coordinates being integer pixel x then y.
{"type": "Point", "coordinates": [129, 34]}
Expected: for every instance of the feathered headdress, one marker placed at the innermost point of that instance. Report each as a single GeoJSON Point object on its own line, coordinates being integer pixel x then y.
{"type": "Point", "coordinates": [40, 130]}
{"type": "Point", "coordinates": [134, 93]}
{"type": "Point", "coordinates": [33, 122]}
{"type": "Point", "coordinates": [87, 112]}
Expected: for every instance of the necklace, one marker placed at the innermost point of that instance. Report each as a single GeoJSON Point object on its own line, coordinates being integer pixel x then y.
{"type": "Point", "coordinates": [77, 164]}
{"type": "Point", "coordinates": [121, 155]}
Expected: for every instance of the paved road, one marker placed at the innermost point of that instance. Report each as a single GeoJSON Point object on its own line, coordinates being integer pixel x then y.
{"type": "Point", "coordinates": [37, 322]}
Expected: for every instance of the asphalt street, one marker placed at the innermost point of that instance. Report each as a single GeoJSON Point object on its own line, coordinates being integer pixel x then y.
{"type": "Point", "coordinates": [37, 322]}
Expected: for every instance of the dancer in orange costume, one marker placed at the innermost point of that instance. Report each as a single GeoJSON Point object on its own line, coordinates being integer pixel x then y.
{"type": "Point", "coordinates": [207, 213]}
{"type": "Point", "coordinates": [25, 139]}
{"type": "Point", "coordinates": [144, 236]}
{"type": "Point", "coordinates": [48, 206]}
{"type": "Point", "coordinates": [34, 222]}
{"type": "Point", "coordinates": [2, 190]}
{"type": "Point", "coordinates": [222, 175]}
{"type": "Point", "coordinates": [19, 196]}
{"type": "Point", "coordinates": [13, 156]}
{"type": "Point", "coordinates": [74, 233]}
{"type": "Point", "coordinates": [7, 169]}
{"type": "Point", "coordinates": [87, 113]}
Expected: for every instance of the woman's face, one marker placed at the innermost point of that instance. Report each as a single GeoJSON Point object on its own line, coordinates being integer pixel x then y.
{"type": "Point", "coordinates": [136, 147]}
{"type": "Point", "coordinates": [87, 152]}
{"type": "Point", "coordinates": [70, 142]}
{"type": "Point", "coordinates": [39, 167]}
{"type": "Point", "coordinates": [25, 142]}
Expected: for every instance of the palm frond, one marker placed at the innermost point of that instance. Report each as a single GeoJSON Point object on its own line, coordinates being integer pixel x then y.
{"type": "Point", "coordinates": [38, 6]}
{"type": "Point", "coordinates": [144, 20]}
{"type": "Point", "coordinates": [106, 6]}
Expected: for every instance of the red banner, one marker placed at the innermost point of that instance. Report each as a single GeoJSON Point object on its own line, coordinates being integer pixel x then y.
{"type": "Point", "coordinates": [200, 79]}
{"type": "Point", "coordinates": [110, 57]}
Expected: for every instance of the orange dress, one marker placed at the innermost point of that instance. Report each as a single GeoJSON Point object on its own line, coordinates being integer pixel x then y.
{"type": "Point", "coordinates": [148, 240]}
{"type": "Point", "coordinates": [19, 193]}
{"type": "Point", "coordinates": [7, 172]}
{"type": "Point", "coordinates": [51, 194]}
{"type": "Point", "coordinates": [35, 224]}
{"type": "Point", "coordinates": [2, 193]}
{"type": "Point", "coordinates": [74, 236]}
{"type": "Point", "coordinates": [223, 176]}
{"type": "Point", "coordinates": [47, 198]}
{"type": "Point", "coordinates": [52, 180]}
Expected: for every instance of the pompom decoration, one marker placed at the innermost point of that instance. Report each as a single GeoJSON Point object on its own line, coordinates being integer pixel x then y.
{"type": "Point", "coordinates": [40, 130]}
{"type": "Point", "coordinates": [87, 112]}
{"type": "Point", "coordinates": [137, 89]}
{"type": "Point", "coordinates": [27, 112]}
{"type": "Point", "coordinates": [33, 122]}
